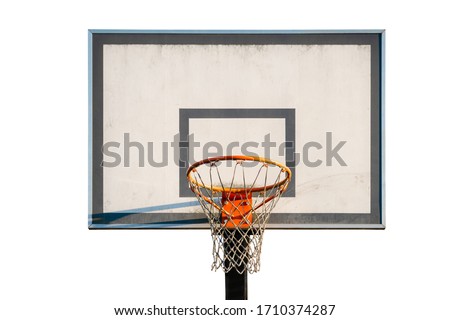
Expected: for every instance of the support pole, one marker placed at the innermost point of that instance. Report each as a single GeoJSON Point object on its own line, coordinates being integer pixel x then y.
{"type": "Point", "coordinates": [235, 285]}
{"type": "Point", "coordinates": [236, 278]}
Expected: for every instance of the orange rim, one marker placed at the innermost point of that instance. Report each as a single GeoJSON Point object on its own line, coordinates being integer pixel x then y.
{"type": "Point", "coordinates": [284, 169]}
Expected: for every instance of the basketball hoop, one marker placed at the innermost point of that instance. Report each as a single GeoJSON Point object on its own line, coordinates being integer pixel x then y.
{"type": "Point", "coordinates": [238, 194]}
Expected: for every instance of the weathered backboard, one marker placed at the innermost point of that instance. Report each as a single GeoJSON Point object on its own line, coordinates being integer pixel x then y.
{"type": "Point", "coordinates": [160, 100]}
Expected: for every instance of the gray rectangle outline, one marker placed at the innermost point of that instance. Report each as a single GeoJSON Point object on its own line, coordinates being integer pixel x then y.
{"type": "Point", "coordinates": [185, 114]}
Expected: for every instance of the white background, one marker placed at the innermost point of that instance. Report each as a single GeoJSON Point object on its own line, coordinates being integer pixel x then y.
{"type": "Point", "coordinates": [52, 267]}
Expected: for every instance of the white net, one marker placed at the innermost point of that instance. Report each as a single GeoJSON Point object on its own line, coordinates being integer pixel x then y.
{"type": "Point", "coordinates": [237, 194]}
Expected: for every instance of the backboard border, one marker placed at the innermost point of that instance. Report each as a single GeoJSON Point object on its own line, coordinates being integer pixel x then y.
{"type": "Point", "coordinates": [381, 192]}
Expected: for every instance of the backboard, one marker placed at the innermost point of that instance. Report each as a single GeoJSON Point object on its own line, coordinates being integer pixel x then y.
{"type": "Point", "coordinates": [161, 100]}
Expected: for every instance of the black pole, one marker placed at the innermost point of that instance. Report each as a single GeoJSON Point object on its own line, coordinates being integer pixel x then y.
{"type": "Point", "coordinates": [235, 285]}
{"type": "Point", "coordinates": [236, 278]}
